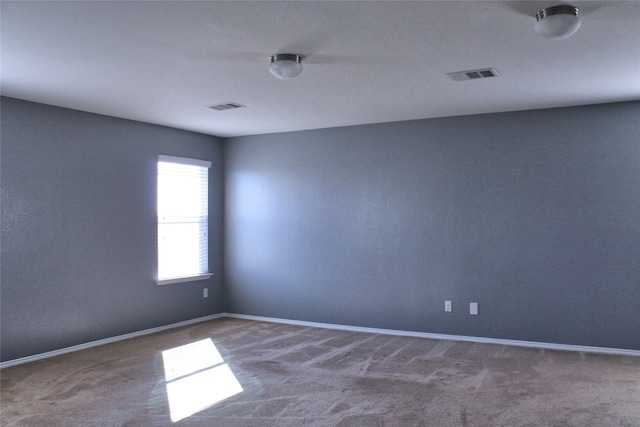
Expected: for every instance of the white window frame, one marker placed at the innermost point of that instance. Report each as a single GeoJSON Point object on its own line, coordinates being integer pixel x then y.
{"type": "Point", "coordinates": [201, 219]}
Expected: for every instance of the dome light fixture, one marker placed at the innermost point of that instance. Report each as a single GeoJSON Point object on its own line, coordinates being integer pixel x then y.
{"type": "Point", "coordinates": [285, 65]}
{"type": "Point", "coordinates": [557, 22]}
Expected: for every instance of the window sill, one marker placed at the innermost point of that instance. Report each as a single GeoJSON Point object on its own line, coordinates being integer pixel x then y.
{"type": "Point", "coordinates": [172, 280]}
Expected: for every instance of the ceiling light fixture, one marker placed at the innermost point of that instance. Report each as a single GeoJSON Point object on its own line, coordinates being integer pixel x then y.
{"type": "Point", "coordinates": [285, 65]}
{"type": "Point", "coordinates": [557, 22]}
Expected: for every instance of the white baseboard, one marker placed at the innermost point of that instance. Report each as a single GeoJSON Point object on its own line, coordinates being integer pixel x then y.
{"type": "Point", "coordinates": [105, 341]}
{"type": "Point", "coordinates": [531, 344]}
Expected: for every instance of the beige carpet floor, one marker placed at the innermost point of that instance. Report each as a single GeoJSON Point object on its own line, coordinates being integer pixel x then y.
{"type": "Point", "coordinates": [233, 372]}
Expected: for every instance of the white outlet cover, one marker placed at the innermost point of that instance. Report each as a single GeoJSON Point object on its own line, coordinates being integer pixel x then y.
{"type": "Point", "coordinates": [473, 308]}
{"type": "Point", "coordinates": [447, 306]}
{"type": "Point", "coordinates": [205, 293]}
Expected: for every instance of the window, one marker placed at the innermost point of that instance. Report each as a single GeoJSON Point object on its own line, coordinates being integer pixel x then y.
{"type": "Point", "coordinates": [183, 219]}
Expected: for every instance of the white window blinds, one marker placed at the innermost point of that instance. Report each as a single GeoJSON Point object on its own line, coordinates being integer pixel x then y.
{"type": "Point", "coordinates": [183, 219]}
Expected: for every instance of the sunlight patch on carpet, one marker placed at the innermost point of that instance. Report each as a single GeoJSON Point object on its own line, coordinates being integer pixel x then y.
{"type": "Point", "coordinates": [197, 378]}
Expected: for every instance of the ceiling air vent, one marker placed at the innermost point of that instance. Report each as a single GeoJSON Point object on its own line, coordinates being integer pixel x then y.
{"type": "Point", "coordinates": [227, 106]}
{"type": "Point", "coordinates": [460, 76]}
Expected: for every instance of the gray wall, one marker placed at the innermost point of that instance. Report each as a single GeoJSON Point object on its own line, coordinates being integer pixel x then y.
{"type": "Point", "coordinates": [78, 228]}
{"type": "Point", "coordinates": [372, 225]}
{"type": "Point", "coordinates": [534, 215]}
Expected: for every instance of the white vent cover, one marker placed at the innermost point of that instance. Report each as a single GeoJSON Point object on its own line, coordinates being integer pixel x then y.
{"type": "Point", "coordinates": [482, 73]}
{"type": "Point", "coordinates": [227, 106]}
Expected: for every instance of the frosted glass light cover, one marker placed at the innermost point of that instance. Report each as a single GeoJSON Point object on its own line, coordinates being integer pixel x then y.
{"type": "Point", "coordinates": [557, 27]}
{"type": "Point", "coordinates": [284, 69]}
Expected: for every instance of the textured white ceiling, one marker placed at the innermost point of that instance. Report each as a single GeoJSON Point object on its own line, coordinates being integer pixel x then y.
{"type": "Point", "coordinates": [366, 62]}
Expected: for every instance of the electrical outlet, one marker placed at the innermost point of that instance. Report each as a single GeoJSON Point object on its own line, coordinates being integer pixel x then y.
{"type": "Point", "coordinates": [447, 306]}
{"type": "Point", "coordinates": [473, 308]}
{"type": "Point", "coordinates": [205, 293]}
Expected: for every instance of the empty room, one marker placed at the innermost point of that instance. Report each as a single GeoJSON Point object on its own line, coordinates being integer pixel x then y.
{"type": "Point", "coordinates": [320, 213]}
